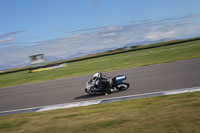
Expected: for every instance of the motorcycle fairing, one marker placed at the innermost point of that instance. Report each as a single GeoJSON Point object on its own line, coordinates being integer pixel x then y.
{"type": "Point", "coordinates": [120, 78]}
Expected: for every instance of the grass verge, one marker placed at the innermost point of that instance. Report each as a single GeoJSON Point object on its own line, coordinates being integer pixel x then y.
{"type": "Point", "coordinates": [171, 53]}
{"type": "Point", "coordinates": [164, 114]}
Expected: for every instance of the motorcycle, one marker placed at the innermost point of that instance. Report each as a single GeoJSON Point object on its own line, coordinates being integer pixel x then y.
{"type": "Point", "coordinates": [117, 84]}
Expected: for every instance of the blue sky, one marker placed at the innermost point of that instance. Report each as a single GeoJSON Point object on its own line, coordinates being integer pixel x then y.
{"type": "Point", "coordinates": [62, 28]}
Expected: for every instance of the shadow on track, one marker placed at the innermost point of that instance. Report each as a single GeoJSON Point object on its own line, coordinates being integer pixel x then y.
{"type": "Point", "coordinates": [88, 96]}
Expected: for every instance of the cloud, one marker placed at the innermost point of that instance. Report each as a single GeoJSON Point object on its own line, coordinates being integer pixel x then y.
{"type": "Point", "coordinates": [7, 40]}
{"type": "Point", "coordinates": [156, 35]}
{"type": "Point", "coordinates": [96, 2]}
{"type": "Point", "coordinates": [138, 24]}
{"type": "Point", "coordinates": [92, 39]}
{"type": "Point", "coordinates": [192, 16]}
{"type": "Point", "coordinates": [89, 29]}
{"type": "Point", "coordinates": [110, 29]}
{"type": "Point", "coordinates": [112, 34]}
{"type": "Point", "coordinates": [8, 37]}
{"type": "Point", "coordinates": [10, 34]}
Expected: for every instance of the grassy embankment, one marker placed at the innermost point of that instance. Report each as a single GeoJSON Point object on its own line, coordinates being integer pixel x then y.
{"type": "Point", "coordinates": [163, 114]}
{"type": "Point", "coordinates": [171, 53]}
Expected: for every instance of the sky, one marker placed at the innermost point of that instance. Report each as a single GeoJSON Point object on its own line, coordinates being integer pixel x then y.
{"type": "Point", "coordinates": [61, 29]}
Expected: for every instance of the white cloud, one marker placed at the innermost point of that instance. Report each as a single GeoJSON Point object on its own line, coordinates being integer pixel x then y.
{"type": "Point", "coordinates": [110, 29]}
{"type": "Point", "coordinates": [159, 34]}
{"type": "Point", "coordinates": [7, 40]}
{"type": "Point", "coordinates": [102, 37]}
{"type": "Point", "coordinates": [112, 34]}
{"type": "Point", "coordinates": [11, 34]}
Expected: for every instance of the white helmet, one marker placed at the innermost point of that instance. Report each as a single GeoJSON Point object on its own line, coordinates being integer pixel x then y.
{"type": "Point", "coordinates": [96, 76]}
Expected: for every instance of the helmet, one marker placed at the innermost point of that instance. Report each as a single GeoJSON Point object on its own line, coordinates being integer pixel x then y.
{"type": "Point", "coordinates": [96, 76]}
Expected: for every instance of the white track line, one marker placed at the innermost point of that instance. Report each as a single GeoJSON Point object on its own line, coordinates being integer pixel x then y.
{"type": "Point", "coordinates": [99, 101]}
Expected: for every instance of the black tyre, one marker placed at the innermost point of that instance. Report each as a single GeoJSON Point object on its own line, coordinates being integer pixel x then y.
{"type": "Point", "coordinates": [123, 86]}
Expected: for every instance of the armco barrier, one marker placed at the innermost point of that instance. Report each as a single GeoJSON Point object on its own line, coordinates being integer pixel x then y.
{"type": "Point", "coordinates": [86, 58]}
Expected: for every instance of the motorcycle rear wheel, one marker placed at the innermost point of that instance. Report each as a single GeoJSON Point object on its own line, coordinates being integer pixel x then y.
{"type": "Point", "coordinates": [123, 86]}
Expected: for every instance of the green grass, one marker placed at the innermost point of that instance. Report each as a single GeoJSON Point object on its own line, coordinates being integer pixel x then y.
{"type": "Point", "coordinates": [163, 114]}
{"type": "Point", "coordinates": [182, 51]}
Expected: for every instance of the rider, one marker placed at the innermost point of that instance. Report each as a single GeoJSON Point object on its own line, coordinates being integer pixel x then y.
{"type": "Point", "coordinates": [103, 82]}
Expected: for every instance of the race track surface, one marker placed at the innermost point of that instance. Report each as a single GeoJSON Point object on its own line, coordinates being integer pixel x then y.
{"type": "Point", "coordinates": [145, 79]}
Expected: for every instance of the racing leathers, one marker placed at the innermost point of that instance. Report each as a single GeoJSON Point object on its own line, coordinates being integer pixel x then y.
{"type": "Point", "coordinates": [104, 82]}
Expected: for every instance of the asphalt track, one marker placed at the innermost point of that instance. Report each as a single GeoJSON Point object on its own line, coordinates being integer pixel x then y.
{"type": "Point", "coordinates": [145, 79]}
